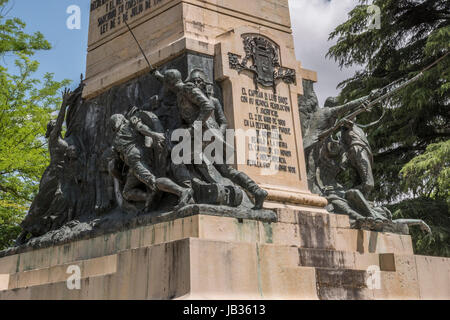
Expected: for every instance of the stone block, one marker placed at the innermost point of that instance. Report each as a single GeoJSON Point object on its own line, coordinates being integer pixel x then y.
{"type": "Point", "coordinates": [4, 281]}
{"type": "Point", "coordinates": [434, 277]}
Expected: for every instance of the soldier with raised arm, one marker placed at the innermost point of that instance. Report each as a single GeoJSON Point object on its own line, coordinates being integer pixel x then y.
{"type": "Point", "coordinates": [196, 106]}
{"type": "Point", "coordinates": [49, 206]}
{"type": "Point", "coordinates": [324, 119]}
{"type": "Point", "coordinates": [193, 104]}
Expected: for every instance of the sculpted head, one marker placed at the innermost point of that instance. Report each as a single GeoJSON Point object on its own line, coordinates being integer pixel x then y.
{"type": "Point", "coordinates": [331, 102]}
{"type": "Point", "coordinates": [72, 152]}
{"type": "Point", "coordinates": [309, 100]}
{"type": "Point", "coordinates": [172, 78]}
{"type": "Point", "coordinates": [117, 121]}
{"type": "Point", "coordinates": [199, 78]}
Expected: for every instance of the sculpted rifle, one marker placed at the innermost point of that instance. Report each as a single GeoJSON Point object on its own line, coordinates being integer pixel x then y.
{"type": "Point", "coordinates": [367, 107]}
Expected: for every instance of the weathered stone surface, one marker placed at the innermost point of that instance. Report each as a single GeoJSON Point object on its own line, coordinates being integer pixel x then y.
{"type": "Point", "coordinates": [342, 284]}
{"type": "Point", "coordinates": [168, 29]}
{"type": "Point", "coordinates": [89, 268]}
{"type": "Point", "coordinates": [119, 221]}
{"type": "Point", "coordinates": [320, 258]}
{"type": "Point", "coordinates": [434, 277]}
{"type": "Point", "coordinates": [4, 281]}
{"type": "Point", "coordinates": [209, 257]}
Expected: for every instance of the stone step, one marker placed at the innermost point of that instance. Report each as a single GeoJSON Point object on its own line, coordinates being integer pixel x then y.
{"type": "Point", "coordinates": [208, 269]}
{"type": "Point", "coordinates": [399, 277]}
{"type": "Point", "coordinates": [278, 256]}
{"type": "Point", "coordinates": [59, 273]}
{"type": "Point", "coordinates": [312, 231]}
{"type": "Point", "coordinates": [299, 229]}
{"type": "Point", "coordinates": [342, 284]}
{"type": "Point", "coordinates": [92, 288]}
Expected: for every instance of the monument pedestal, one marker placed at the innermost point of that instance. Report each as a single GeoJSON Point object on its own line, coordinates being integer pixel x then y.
{"type": "Point", "coordinates": [305, 255]}
{"type": "Point", "coordinates": [247, 49]}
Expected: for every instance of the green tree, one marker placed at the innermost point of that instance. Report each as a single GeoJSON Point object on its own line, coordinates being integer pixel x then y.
{"type": "Point", "coordinates": [26, 105]}
{"type": "Point", "coordinates": [411, 142]}
{"type": "Point", "coordinates": [429, 173]}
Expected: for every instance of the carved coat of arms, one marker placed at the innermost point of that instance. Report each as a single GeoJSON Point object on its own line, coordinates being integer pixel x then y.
{"type": "Point", "coordinates": [265, 56]}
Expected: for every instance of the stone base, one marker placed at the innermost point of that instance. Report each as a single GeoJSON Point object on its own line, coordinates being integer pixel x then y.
{"type": "Point", "coordinates": [305, 255]}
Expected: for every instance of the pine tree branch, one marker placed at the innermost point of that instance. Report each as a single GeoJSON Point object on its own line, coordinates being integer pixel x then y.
{"type": "Point", "coordinates": [399, 150]}
{"type": "Point", "coordinates": [442, 132]}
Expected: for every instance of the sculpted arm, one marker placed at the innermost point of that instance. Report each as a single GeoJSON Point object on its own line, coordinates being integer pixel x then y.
{"type": "Point", "coordinates": [146, 131]}
{"type": "Point", "coordinates": [156, 123]}
{"type": "Point", "coordinates": [349, 107]}
{"type": "Point", "coordinates": [113, 165]}
{"type": "Point", "coordinates": [206, 106]}
{"type": "Point", "coordinates": [56, 132]}
{"type": "Point", "coordinates": [158, 75]}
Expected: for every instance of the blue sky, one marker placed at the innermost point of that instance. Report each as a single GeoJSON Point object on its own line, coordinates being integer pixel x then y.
{"type": "Point", "coordinates": [312, 21]}
{"type": "Point", "coordinates": [67, 59]}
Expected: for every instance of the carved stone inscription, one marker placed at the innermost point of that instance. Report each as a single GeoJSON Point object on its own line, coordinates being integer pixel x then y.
{"type": "Point", "coordinates": [115, 12]}
{"type": "Point", "coordinates": [272, 143]}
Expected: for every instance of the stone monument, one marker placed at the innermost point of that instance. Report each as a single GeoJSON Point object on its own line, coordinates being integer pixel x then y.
{"type": "Point", "coordinates": [136, 224]}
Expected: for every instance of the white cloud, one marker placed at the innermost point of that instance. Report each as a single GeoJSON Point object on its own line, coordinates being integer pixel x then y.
{"type": "Point", "coordinates": [312, 22]}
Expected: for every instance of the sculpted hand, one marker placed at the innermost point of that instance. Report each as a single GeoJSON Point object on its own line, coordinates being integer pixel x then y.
{"type": "Point", "coordinates": [158, 75]}
{"type": "Point", "coordinates": [66, 96]}
{"type": "Point", "coordinates": [345, 123]}
{"type": "Point", "coordinates": [160, 139]}
{"type": "Point", "coordinates": [425, 228]}
{"type": "Point", "coordinates": [366, 106]}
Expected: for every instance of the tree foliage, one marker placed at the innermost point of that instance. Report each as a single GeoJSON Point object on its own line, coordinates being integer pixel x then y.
{"type": "Point", "coordinates": [429, 173]}
{"type": "Point", "coordinates": [26, 105]}
{"type": "Point", "coordinates": [433, 212]}
{"type": "Point", "coordinates": [13, 39]}
{"type": "Point", "coordinates": [411, 142]}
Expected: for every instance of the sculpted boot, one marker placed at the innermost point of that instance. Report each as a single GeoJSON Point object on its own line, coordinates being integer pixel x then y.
{"type": "Point", "coordinates": [260, 196]}
{"type": "Point", "coordinates": [248, 184]}
{"type": "Point", "coordinates": [185, 195]}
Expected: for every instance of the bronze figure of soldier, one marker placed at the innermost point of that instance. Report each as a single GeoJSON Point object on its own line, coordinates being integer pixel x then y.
{"type": "Point", "coordinates": [130, 139]}
{"type": "Point", "coordinates": [359, 153]}
{"type": "Point", "coordinates": [195, 106]}
{"type": "Point", "coordinates": [325, 118]}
